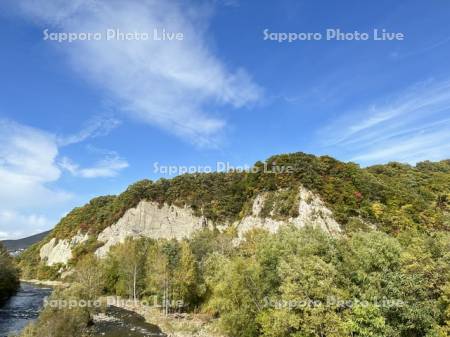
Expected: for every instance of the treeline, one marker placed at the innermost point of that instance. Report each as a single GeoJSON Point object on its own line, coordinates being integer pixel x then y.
{"type": "Point", "coordinates": [9, 275]}
{"type": "Point", "coordinates": [297, 282]}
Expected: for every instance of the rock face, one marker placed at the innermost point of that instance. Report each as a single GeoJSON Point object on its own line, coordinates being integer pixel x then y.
{"type": "Point", "coordinates": [149, 219]}
{"type": "Point", "coordinates": [55, 251]}
{"type": "Point", "coordinates": [311, 211]}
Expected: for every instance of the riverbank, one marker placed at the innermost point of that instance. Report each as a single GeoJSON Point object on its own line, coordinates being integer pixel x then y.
{"type": "Point", "coordinates": [173, 325]}
{"type": "Point", "coordinates": [117, 322]}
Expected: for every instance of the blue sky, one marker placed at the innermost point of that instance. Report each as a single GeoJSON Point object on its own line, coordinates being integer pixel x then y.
{"type": "Point", "coordinates": [88, 118]}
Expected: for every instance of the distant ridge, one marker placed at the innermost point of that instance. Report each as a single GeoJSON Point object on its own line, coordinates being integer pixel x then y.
{"type": "Point", "coordinates": [19, 244]}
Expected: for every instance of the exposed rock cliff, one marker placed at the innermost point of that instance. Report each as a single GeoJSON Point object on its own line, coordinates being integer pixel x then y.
{"type": "Point", "coordinates": [311, 211]}
{"type": "Point", "coordinates": [148, 219]}
{"type": "Point", "coordinates": [55, 251]}
{"type": "Point", "coordinates": [320, 191]}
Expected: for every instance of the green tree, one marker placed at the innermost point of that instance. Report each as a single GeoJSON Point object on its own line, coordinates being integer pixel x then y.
{"type": "Point", "coordinates": [9, 275]}
{"type": "Point", "coordinates": [90, 276]}
{"type": "Point", "coordinates": [236, 294]}
{"type": "Point", "coordinates": [186, 278]}
{"type": "Point", "coordinates": [125, 267]}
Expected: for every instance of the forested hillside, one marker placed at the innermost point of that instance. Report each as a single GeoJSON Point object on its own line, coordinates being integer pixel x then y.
{"type": "Point", "coordinates": [392, 198]}
{"type": "Point", "coordinates": [14, 245]}
{"type": "Point", "coordinates": [387, 274]}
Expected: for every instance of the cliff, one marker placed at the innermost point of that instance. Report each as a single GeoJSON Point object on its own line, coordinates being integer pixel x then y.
{"type": "Point", "coordinates": [318, 191]}
{"type": "Point", "coordinates": [148, 219]}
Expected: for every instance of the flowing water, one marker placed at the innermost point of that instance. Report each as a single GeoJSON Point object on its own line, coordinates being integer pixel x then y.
{"type": "Point", "coordinates": [22, 308]}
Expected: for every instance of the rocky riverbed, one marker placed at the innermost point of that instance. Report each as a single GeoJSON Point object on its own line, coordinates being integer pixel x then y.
{"type": "Point", "coordinates": [117, 322]}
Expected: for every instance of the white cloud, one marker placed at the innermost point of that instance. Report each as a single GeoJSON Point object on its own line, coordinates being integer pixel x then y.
{"type": "Point", "coordinates": [96, 127]}
{"type": "Point", "coordinates": [170, 84]}
{"type": "Point", "coordinates": [22, 225]}
{"type": "Point", "coordinates": [409, 127]}
{"type": "Point", "coordinates": [27, 165]}
{"type": "Point", "coordinates": [28, 172]}
{"type": "Point", "coordinates": [110, 166]}
{"type": "Point", "coordinates": [425, 145]}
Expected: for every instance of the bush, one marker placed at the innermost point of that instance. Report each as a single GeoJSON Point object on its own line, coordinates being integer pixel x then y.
{"type": "Point", "coordinates": [9, 275]}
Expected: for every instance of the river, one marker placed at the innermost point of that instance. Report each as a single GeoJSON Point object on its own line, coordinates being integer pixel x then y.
{"type": "Point", "coordinates": [24, 307]}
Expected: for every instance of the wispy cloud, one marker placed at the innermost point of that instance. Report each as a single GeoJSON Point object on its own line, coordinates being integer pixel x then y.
{"type": "Point", "coordinates": [427, 48]}
{"type": "Point", "coordinates": [27, 168]}
{"type": "Point", "coordinates": [30, 167]}
{"type": "Point", "coordinates": [410, 126]}
{"type": "Point", "coordinates": [175, 85]}
{"type": "Point", "coordinates": [109, 166]}
{"type": "Point", "coordinates": [96, 127]}
{"type": "Point", "coordinates": [27, 165]}
{"type": "Point", "coordinates": [426, 144]}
